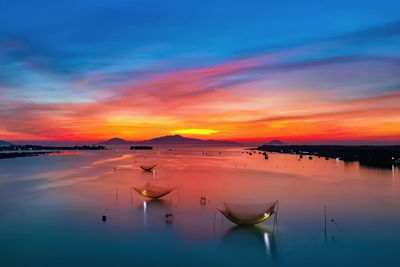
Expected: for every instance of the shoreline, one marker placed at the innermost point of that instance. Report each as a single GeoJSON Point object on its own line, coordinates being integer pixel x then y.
{"type": "Point", "coordinates": [7, 152]}
{"type": "Point", "coordinates": [23, 154]}
{"type": "Point", "coordinates": [377, 156]}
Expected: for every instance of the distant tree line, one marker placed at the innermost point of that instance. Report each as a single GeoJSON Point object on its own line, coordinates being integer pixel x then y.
{"type": "Point", "coordinates": [39, 148]}
{"type": "Point", "coordinates": [380, 156]}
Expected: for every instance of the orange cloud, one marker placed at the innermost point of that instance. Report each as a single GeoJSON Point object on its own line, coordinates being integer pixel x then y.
{"type": "Point", "coordinates": [190, 102]}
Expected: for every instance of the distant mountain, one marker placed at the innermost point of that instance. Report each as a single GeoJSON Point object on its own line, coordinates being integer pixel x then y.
{"type": "Point", "coordinates": [4, 143]}
{"type": "Point", "coordinates": [170, 140]}
{"type": "Point", "coordinates": [115, 141]}
{"type": "Point", "coordinates": [181, 140]}
{"type": "Point", "coordinates": [275, 143]}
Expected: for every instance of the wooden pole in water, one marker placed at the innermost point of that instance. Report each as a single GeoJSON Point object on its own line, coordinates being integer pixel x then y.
{"type": "Point", "coordinates": [215, 216]}
{"type": "Point", "coordinates": [116, 185]}
{"type": "Point", "coordinates": [325, 220]}
{"type": "Point", "coordinates": [131, 197]}
{"type": "Point", "coordinates": [273, 227]}
{"type": "Point", "coordinates": [169, 215]}
{"type": "Point", "coordinates": [276, 217]}
{"type": "Point", "coordinates": [170, 203]}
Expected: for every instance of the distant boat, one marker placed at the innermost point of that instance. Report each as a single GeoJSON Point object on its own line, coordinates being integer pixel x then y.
{"type": "Point", "coordinates": [249, 214]}
{"type": "Point", "coordinates": [148, 168]}
{"type": "Point", "coordinates": [152, 191]}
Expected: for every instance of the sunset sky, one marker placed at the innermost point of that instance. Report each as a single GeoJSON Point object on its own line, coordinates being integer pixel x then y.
{"type": "Point", "coordinates": [232, 70]}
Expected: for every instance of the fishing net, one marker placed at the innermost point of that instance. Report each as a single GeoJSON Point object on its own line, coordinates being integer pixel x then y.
{"type": "Point", "coordinates": [249, 214]}
{"type": "Point", "coordinates": [153, 191]}
{"type": "Point", "coordinates": [148, 168]}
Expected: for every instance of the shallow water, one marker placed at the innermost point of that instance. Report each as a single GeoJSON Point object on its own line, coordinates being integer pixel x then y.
{"type": "Point", "coordinates": [52, 206]}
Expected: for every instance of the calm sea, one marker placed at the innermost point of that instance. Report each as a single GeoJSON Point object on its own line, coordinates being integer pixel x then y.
{"type": "Point", "coordinates": [51, 210]}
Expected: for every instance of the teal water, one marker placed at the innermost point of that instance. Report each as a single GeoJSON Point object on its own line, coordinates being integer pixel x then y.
{"type": "Point", "coordinates": [51, 209]}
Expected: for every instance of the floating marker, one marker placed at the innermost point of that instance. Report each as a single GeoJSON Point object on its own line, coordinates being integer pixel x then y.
{"type": "Point", "coordinates": [203, 200]}
{"type": "Point", "coordinates": [168, 217]}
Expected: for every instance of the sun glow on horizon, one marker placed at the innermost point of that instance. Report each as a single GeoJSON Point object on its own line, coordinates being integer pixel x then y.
{"type": "Point", "coordinates": [194, 131]}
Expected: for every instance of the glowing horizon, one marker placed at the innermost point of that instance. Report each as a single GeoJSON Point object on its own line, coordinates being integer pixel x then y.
{"type": "Point", "coordinates": [292, 76]}
{"type": "Point", "coordinates": [194, 131]}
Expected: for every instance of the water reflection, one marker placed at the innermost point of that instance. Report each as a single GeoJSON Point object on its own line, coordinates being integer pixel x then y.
{"type": "Point", "coordinates": [37, 218]}
{"type": "Point", "coordinates": [330, 228]}
{"type": "Point", "coordinates": [258, 239]}
{"type": "Point", "coordinates": [154, 211]}
{"type": "Point", "coordinates": [157, 204]}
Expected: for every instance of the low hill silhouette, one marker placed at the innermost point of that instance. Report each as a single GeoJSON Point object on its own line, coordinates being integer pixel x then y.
{"type": "Point", "coordinates": [4, 143]}
{"type": "Point", "coordinates": [170, 140]}
{"type": "Point", "coordinates": [275, 143]}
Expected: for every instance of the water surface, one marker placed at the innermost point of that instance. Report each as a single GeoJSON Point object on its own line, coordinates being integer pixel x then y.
{"type": "Point", "coordinates": [51, 210]}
